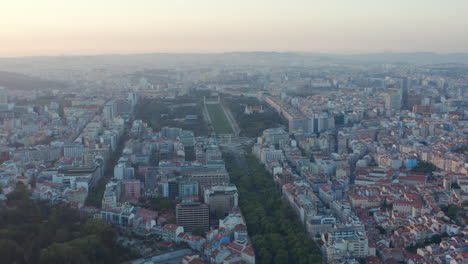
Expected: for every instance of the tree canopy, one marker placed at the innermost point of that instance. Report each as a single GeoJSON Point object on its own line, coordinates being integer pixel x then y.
{"type": "Point", "coordinates": [425, 167]}
{"type": "Point", "coordinates": [32, 231]}
{"type": "Point", "coordinates": [253, 125]}
{"type": "Point", "coordinates": [277, 234]}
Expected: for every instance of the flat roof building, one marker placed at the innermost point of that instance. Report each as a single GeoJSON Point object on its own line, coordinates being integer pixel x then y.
{"type": "Point", "coordinates": [192, 215]}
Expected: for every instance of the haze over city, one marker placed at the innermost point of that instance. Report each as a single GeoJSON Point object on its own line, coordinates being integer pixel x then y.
{"type": "Point", "coordinates": [234, 132]}
{"type": "Point", "coordinates": [53, 27]}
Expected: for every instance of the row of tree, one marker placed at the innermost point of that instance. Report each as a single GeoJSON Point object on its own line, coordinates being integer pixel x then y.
{"type": "Point", "coordinates": [32, 231]}
{"type": "Point", "coordinates": [96, 193]}
{"type": "Point", "coordinates": [277, 234]}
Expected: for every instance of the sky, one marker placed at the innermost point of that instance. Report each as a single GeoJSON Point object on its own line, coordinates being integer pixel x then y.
{"type": "Point", "coordinates": [75, 27]}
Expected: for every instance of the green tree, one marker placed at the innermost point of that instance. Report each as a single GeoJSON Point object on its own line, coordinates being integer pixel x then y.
{"type": "Point", "coordinates": [198, 231]}
{"type": "Point", "coordinates": [62, 234]}
{"type": "Point", "coordinates": [62, 254]}
{"type": "Point", "coordinates": [19, 195]}
{"type": "Point", "coordinates": [315, 259]}
{"type": "Point", "coordinates": [424, 167]}
{"type": "Point", "coordinates": [10, 251]}
{"type": "Point", "coordinates": [273, 225]}
{"type": "Point", "coordinates": [436, 239]}
{"type": "Point", "coordinates": [32, 231]}
{"type": "Point", "coordinates": [94, 226]}
{"type": "Point", "coordinates": [93, 248]}
{"type": "Point", "coordinates": [281, 257]}
{"type": "Point", "coordinates": [265, 256]}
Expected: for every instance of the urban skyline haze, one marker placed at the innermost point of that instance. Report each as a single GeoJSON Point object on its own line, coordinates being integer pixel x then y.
{"type": "Point", "coordinates": [51, 27]}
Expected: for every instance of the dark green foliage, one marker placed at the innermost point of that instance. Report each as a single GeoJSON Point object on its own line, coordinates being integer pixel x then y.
{"type": "Point", "coordinates": [425, 167]}
{"type": "Point", "coordinates": [386, 205]}
{"type": "Point", "coordinates": [198, 231]}
{"type": "Point", "coordinates": [436, 239]}
{"type": "Point", "coordinates": [455, 213]}
{"type": "Point", "coordinates": [277, 234]}
{"type": "Point", "coordinates": [96, 193]}
{"type": "Point", "coordinates": [10, 251]}
{"type": "Point", "coordinates": [252, 125]}
{"type": "Point", "coordinates": [451, 211]}
{"type": "Point", "coordinates": [158, 113]}
{"type": "Point", "coordinates": [31, 231]}
{"type": "Point", "coordinates": [159, 203]}
{"type": "Point", "coordinates": [281, 257]}
{"type": "Point", "coordinates": [381, 230]}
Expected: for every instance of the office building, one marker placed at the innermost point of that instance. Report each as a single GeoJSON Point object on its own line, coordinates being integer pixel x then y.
{"type": "Point", "coordinates": [221, 198]}
{"type": "Point", "coordinates": [405, 86]}
{"type": "Point", "coordinates": [133, 189]}
{"type": "Point", "coordinates": [192, 215]}
{"type": "Point", "coordinates": [188, 188]}
{"type": "Point", "coordinates": [123, 170]}
{"type": "Point", "coordinates": [173, 189]}
{"type": "Point", "coordinates": [74, 150]}
{"type": "Point", "coordinates": [392, 100]}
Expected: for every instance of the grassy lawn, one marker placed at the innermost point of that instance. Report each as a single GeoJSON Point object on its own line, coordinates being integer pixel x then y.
{"type": "Point", "coordinates": [219, 120]}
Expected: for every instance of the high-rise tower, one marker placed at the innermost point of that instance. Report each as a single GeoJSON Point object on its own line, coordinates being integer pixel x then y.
{"type": "Point", "coordinates": [404, 87]}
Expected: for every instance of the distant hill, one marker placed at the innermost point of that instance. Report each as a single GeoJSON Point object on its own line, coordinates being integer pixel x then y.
{"type": "Point", "coordinates": [18, 81]}
{"type": "Point", "coordinates": [421, 58]}
{"type": "Point", "coordinates": [128, 62]}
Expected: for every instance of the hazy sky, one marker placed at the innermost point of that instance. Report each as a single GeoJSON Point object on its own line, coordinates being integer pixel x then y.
{"type": "Point", "coordinates": [58, 27]}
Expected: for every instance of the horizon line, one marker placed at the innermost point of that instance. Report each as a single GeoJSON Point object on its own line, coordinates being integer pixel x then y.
{"type": "Point", "coordinates": [230, 52]}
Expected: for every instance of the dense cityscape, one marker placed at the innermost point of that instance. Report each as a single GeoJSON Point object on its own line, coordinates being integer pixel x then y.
{"type": "Point", "coordinates": [321, 161]}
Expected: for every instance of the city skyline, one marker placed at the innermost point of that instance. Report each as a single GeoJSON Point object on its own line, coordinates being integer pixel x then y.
{"type": "Point", "coordinates": [234, 132]}
{"type": "Point", "coordinates": [52, 28]}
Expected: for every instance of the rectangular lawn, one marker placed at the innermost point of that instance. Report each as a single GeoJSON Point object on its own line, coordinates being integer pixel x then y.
{"type": "Point", "coordinates": [219, 120]}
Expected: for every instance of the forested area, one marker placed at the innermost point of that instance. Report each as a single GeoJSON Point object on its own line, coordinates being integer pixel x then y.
{"type": "Point", "coordinates": [277, 234]}
{"type": "Point", "coordinates": [31, 231]}
{"type": "Point", "coordinates": [253, 125]}
{"type": "Point", "coordinates": [158, 113]}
